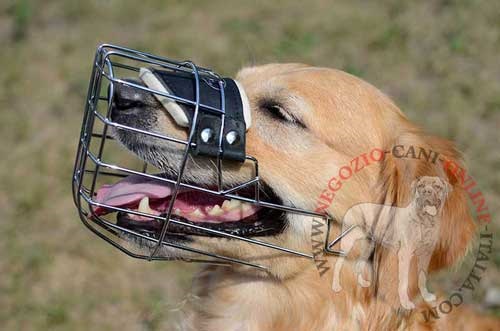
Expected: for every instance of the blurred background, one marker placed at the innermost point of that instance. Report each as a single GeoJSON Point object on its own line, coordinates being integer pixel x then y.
{"type": "Point", "coordinates": [439, 60]}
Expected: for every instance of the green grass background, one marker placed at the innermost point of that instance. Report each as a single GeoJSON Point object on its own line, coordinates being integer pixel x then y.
{"type": "Point", "coordinates": [439, 60]}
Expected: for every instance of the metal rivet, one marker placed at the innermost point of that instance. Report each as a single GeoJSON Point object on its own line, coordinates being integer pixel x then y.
{"type": "Point", "coordinates": [232, 137]}
{"type": "Point", "coordinates": [206, 135]}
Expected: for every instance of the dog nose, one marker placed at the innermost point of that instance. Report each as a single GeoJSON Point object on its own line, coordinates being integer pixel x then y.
{"type": "Point", "coordinates": [126, 97]}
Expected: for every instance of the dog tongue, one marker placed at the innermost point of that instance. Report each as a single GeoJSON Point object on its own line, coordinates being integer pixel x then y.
{"type": "Point", "coordinates": [431, 210]}
{"type": "Point", "coordinates": [195, 206]}
{"type": "Point", "coordinates": [131, 190]}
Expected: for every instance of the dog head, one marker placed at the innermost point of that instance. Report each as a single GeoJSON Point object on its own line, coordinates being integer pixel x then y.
{"type": "Point", "coordinates": [307, 123]}
{"type": "Point", "coordinates": [430, 194]}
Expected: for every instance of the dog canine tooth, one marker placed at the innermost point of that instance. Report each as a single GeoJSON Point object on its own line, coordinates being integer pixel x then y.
{"type": "Point", "coordinates": [144, 206]}
{"type": "Point", "coordinates": [177, 211]}
{"type": "Point", "coordinates": [216, 211]}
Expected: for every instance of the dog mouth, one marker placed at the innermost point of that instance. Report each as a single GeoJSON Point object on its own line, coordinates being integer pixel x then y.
{"type": "Point", "coordinates": [193, 212]}
{"type": "Point", "coordinates": [432, 202]}
{"type": "Point", "coordinates": [431, 206]}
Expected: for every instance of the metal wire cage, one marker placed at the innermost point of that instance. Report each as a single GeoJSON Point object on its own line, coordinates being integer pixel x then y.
{"type": "Point", "coordinates": [100, 160]}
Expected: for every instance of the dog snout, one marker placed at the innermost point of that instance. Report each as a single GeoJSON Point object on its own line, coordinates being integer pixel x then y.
{"type": "Point", "coordinates": [428, 190]}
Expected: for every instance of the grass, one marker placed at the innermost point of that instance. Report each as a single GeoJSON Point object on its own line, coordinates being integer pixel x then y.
{"type": "Point", "coordinates": [438, 60]}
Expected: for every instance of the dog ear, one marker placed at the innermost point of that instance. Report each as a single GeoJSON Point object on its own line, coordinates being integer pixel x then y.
{"type": "Point", "coordinates": [456, 225]}
{"type": "Point", "coordinates": [413, 186]}
{"type": "Point", "coordinates": [447, 186]}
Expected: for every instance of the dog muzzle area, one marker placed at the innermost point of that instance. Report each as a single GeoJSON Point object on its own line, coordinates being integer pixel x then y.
{"type": "Point", "coordinates": [120, 196]}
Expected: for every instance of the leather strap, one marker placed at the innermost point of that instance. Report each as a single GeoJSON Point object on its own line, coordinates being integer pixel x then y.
{"type": "Point", "coordinates": [208, 126]}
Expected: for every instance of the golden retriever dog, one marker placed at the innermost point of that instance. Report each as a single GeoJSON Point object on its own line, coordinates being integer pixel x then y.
{"type": "Point", "coordinates": [306, 123]}
{"type": "Point", "coordinates": [412, 231]}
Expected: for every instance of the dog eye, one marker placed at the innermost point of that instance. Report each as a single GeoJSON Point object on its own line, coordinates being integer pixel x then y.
{"type": "Point", "coordinates": [277, 112]}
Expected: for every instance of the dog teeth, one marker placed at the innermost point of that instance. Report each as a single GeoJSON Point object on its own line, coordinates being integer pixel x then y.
{"type": "Point", "coordinates": [246, 206]}
{"type": "Point", "coordinates": [216, 211]}
{"type": "Point", "coordinates": [144, 206]}
{"type": "Point", "coordinates": [225, 205]}
{"type": "Point", "coordinates": [177, 211]}
{"type": "Point", "coordinates": [197, 213]}
{"type": "Point", "coordinates": [235, 203]}
{"type": "Point", "coordinates": [231, 204]}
